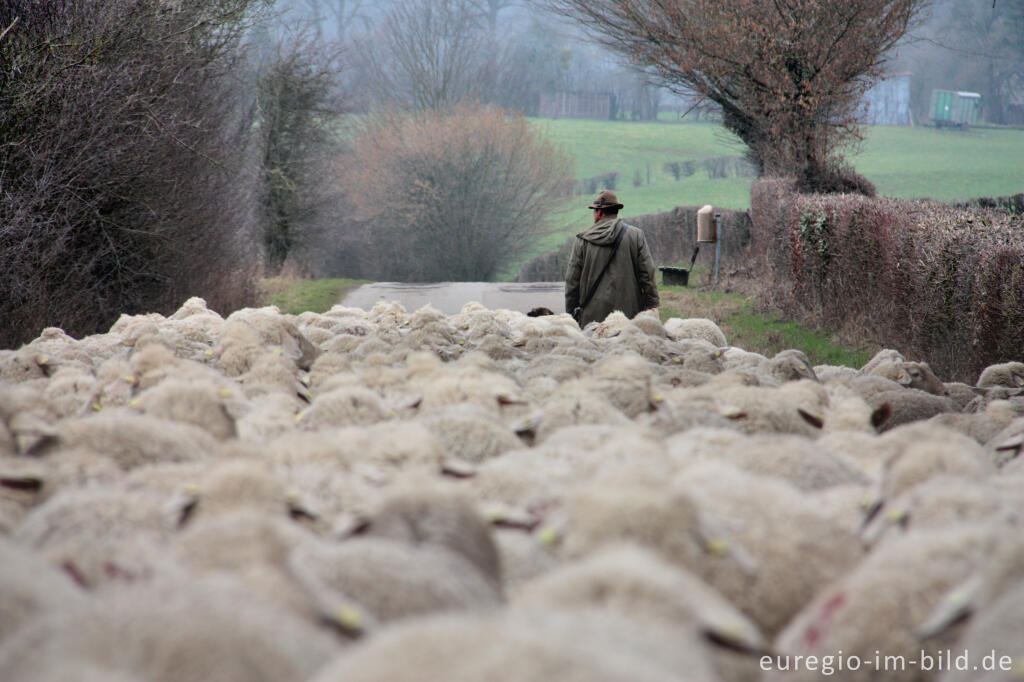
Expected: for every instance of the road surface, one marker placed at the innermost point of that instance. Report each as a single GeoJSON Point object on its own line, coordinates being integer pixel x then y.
{"type": "Point", "coordinates": [449, 297]}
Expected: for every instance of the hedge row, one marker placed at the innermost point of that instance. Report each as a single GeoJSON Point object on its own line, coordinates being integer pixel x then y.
{"type": "Point", "coordinates": [671, 237]}
{"type": "Point", "coordinates": [943, 283]}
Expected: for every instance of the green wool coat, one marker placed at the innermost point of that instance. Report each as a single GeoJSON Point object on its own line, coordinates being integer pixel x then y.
{"type": "Point", "coordinates": [628, 285]}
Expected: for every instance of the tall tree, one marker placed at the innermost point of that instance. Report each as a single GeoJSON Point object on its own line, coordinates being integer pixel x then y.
{"type": "Point", "coordinates": [787, 74]}
{"type": "Point", "coordinates": [430, 54]}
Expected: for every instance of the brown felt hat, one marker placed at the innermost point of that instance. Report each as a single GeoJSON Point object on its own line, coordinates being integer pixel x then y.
{"type": "Point", "coordinates": [606, 199]}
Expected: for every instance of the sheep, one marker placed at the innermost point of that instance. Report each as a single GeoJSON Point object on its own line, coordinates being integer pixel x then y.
{"type": "Point", "coordinates": [523, 645]}
{"type": "Point", "coordinates": [804, 464]}
{"type": "Point", "coordinates": [168, 632]}
{"type": "Point", "coordinates": [523, 556]}
{"type": "Point", "coordinates": [696, 328]}
{"type": "Point", "coordinates": [925, 450]}
{"type": "Point", "coordinates": [1006, 374]}
{"type": "Point", "coordinates": [830, 373]}
{"type": "Point", "coordinates": [648, 322]}
{"type": "Point", "coordinates": [625, 381]}
{"type": "Point", "coordinates": [737, 358]}
{"type": "Point", "coordinates": [982, 427]}
{"type": "Point", "coordinates": [707, 362]}
{"type": "Point", "coordinates": [345, 406]}
{"type": "Point", "coordinates": [132, 440]}
{"type": "Point", "coordinates": [29, 586]}
{"type": "Point", "coordinates": [937, 502]}
{"type": "Point", "coordinates": [267, 417]}
{"type": "Point", "coordinates": [252, 547]}
{"type": "Point", "coordinates": [568, 409]}
{"type": "Point", "coordinates": [236, 484]}
{"type": "Point", "coordinates": [996, 631]}
{"type": "Point", "coordinates": [420, 552]}
{"type": "Point", "coordinates": [69, 391]}
{"type": "Point", "coordinates": [470, 433]}
{"type": "Point", "coordinates": [279, 332]}
{"type": "Point", "coordinates": [21, 365]}
{"type": "Point", "coordinates": [909, 405]}
{"type": "Point", "coordinates": [204, 404]}
{"type": "Point", "coordinates": [884, 355]}
{"type": "Point", "coordinates": [1007, 445]}
{"type": "Point", "coordinates": [787, 365]}
{"type": "Point", "coordinates": [676, 410]}
{"type": "Point", "coordinates": [91, 527]}
{"type": "Point", "coordinates": [879, 604]}
{"type": "Point", "coordinates": [766, 572]}
{"type": "Point", "coordinates": [869, 385]}
{"type": "Point", "coordinates": [756, 409]}
{"type": "Point", "coordinates": [961, 394]}
{"type": "Point", "coordinates": [637, 586]}
{"type": "Point", "coordinates": [912, 375]}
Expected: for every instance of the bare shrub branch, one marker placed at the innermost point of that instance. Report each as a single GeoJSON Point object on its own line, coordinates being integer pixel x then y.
{"type": "Point", "coordinates": [452, 196]}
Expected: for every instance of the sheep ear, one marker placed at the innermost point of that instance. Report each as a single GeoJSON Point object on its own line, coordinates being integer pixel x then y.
{"type": "Point", "coordinates": [957, 606]}
{"type": "Point", "coordinates": [734, 635]}
{"type": "Point", "coordinates": [881, 415]}
{"type": "Point", "coordinates": [32, 434]}
{"type": "Point", "coordinates": [299, 512]}
{"type": "Point", "coordinates": [903, 378]}
{"type": "Point", "coordinates": [457, 468]}
{"type": "Point", "coordinates": [813, 419]}
{"type": "Point", "coordinates": [181, 507]}
{"type": "Point", "coordinates": [28, 482]}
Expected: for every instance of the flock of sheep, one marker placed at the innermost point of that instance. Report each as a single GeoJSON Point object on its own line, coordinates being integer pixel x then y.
{"type": "Point", "coordinates": [391, 496]}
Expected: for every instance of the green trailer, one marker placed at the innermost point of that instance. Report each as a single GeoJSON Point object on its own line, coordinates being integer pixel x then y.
{"type": "Point", "coordinates": [955, 108]}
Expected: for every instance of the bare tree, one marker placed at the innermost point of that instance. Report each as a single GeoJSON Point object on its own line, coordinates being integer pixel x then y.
{"type": "Point", "coordinates": [430, 54]}
{"type": "Point", "coordinates": [490, 9]}
{"type": "Point", "coordinates": [296, 116]}
{"type": "Point", "coordinates": [455, 196]}
{"type": "Point", "coordinates": [788, 74]}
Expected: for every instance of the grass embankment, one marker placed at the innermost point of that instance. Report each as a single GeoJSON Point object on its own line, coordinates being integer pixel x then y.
{"type": "Point", "coordinates": [751, 329]}
{"type": "Point", "coordinates": [294, 296]}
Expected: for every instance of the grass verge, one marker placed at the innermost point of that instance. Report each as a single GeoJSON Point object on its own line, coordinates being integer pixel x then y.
{"type": "Point", "coordinates": [747, 327]}
{"type": "Point", "coordinates": [294, 296]}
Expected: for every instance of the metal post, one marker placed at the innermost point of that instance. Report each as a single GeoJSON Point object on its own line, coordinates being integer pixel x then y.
{"type": "Point", "coordinates": [718, 244]}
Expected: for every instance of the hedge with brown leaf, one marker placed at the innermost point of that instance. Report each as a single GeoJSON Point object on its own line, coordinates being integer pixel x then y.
{"type": "Point", "coordinates": [942, 283]}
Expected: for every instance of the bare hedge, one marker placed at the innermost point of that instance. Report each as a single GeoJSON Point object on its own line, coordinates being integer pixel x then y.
{"type": "Point", "coordinates": [944, 283]}
{"type": "Point", "coordinates": [671, 237]}
{"type": "Point", "coordinates": [122, 155]}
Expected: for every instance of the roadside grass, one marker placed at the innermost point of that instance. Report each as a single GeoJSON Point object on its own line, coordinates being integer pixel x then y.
{"type": "Point", "coordinates": [755, 330]}
{"type": "Point", "coordinates": [294, 296]}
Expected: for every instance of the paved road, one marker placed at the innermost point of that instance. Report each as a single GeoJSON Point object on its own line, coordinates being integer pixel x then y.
{"type": "Point", "coordinates": [449, 297]}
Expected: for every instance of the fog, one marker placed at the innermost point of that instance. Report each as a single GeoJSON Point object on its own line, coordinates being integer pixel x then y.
{"type": "Point", "coordinates": [510, 52]}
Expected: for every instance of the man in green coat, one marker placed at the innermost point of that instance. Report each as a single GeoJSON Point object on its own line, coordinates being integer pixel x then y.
{"type": "Point", "coordinates": [613, 256]}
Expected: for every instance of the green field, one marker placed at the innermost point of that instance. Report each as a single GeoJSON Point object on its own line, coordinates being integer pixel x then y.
{"type": "Point", "coordinates": [904, 162]}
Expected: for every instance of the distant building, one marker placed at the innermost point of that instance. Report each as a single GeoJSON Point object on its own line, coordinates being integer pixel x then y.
{"type": "Point", "coordinates": [596, 105]}
{"type": "Point", "coordinates": [888, 102]}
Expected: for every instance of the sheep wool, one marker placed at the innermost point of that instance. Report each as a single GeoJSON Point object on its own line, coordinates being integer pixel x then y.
{"type": "Point", "coordinates": [696, 328]}
{"type": "Point", "coordinates": [880, 603]}
{"type": "Point", "coordinates": [168, 632]}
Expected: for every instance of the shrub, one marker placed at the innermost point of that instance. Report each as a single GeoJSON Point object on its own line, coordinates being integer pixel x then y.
{"type": "Point", "coordinates": [941, 282]}
{"type": "Point", "coordinates": [451, 196]}
{"type": "Point", "coordinates": [120, 164]}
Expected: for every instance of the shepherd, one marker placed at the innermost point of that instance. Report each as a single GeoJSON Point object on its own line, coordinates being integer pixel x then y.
{"type": "Point", "coordinates": [610, 267]}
